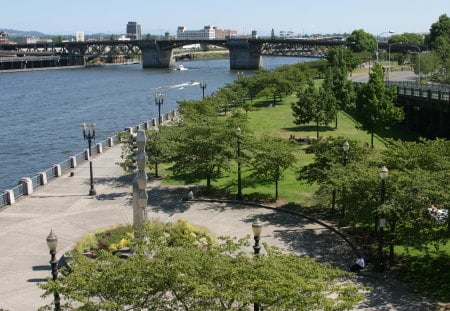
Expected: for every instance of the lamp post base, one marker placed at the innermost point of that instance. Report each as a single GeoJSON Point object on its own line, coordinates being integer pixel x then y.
{"type": "Point", "coordinates": [92, 192]}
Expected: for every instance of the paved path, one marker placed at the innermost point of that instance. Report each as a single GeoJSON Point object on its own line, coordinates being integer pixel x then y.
{"type": "Point", "coordinates": [64, 206]}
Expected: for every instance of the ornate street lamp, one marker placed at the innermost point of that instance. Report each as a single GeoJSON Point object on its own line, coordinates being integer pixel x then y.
{"type": "Point", "coordinates": [257, 229]}
{"type": "Point", "coordinates": [238, 134]}
{"type": "Point", "coordinates": [87, 134]}
{"type": "Point", "coordinates": [384, 174]}
{"type": "Point", "coordinates": [203, 87]}
{"type": "Point", "coordinates": [159, 100]}
{"type": "Point", "coordinates": [52, 243]}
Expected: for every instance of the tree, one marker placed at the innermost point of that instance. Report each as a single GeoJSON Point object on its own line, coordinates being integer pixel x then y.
{"type": "Point", "coordinates": [329, 172]}
{"type": "Point", "coordinates": [421, 171]}
{"type": "Point", "coordinates": [271, 156]}
{"type": "Point", "coordinates": [314, 105]}
{"type": "Point", "coordinates": [375, 108]}
{"type": "Point", "coordinates": [178, 267]}
{"type": "Point", "coordinates": [439, 29]}
{"type": "Point", "coordinates": [406, 38]}
{"type": "Point", "coordinates": [337, 82]}
{"type": "Point", "coordinates": [361, 41]}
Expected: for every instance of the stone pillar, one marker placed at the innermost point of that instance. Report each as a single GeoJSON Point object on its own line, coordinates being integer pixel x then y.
{"type": "Point", "coordinates": [99, 148]}
{"type": "Point", "coordinates": [139, 183]}
{"type": "Point", "coordinates": [11, 198]}
{"type": "Point", "coordinates": [28, 185]}
{"type": "Point", "coordinates": [154, 122]}
{"type": "Point", "coordinates": [43, 178]}
{"type": "Point", "coordinates": [244, 55]}
{"type": "Point", "coordinates": [155, 57]}
{"type": "Point", "coordinates": [110, 142]}
{"type": "Point", "coordinates": [73, 162]}
{"type": "Point", "coordinates": [58, 172]}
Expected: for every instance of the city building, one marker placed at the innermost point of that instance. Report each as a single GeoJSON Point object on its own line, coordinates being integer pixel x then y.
{"type": "Point", "coordinates": [134, 31]}
{"type": "Point", "coordinates": [79, 36]}
{"type": "Point", "coordinates": [4, 38]}
{"type": "Point", "coordinates": [208, 32]}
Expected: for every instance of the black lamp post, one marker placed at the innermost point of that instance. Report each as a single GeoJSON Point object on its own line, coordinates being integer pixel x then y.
{"type": "Point", "coordinates": [203, 87]}
{"type": "Point", "coordinates": [384, 173]}
{"type": "Point", "coordinates": [238, 134]}
{"type": "Point", "coordinates": [256, 228]}
{"type": "Point", "coordinates": [159, 100]}
{"type": "Point", "coordinates": [87, 134]}
{"type": "Point", "coordinates": [52, 243]}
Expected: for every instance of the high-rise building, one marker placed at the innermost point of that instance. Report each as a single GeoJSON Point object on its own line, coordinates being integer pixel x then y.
{"type": "Point", "coordinates": [79, 36]}
{"type": "Point", "coordinates": [134, 31]}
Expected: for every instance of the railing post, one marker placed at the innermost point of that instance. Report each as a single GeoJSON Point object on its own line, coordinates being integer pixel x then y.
{"type": "Point", "coordinates": [43, 178]}
{"type": "Point", "coordinates": [11, 198]}
{"type": "Point", "coordinates": [58, 172]}
{"type": "Point", "coordinates": [99, 148]}
{"type": "Point", "coordinates": [28, 185]}
{"type": "Point", "coordinates": [73, 162]}
{"type": "Point", "coordinates": [110, 141]}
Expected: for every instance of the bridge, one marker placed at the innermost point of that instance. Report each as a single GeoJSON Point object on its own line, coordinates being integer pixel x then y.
{"type": "Point", "coordinates": [426, 107]}
{"type": "Point", "coordinates": [244, 53]}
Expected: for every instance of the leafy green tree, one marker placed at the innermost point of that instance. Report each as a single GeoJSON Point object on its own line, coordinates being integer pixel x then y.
{"type": "Point", "coordinates": [179, 268]}
{"type": "Point", "coordinates": [420, 171]}
{"type": "Point", "coordinates": [439, 29]}
{"type": "Point", "coordinates": [57, 39]}
{"type": "Point", "coordinates": [375, 104]}
{"type": "Point", "coordinates": [271, 157]}
{"type": "Point", "coordinates": [331, 171]}
{"type": "Point", "coordinates": [337, 82]}
{"type": "Point", "coordinates": [314, 105]}
{"type": "Point", "coordinates": [361, 41]}
{"type": "Point", "coordinates": [406, 38]}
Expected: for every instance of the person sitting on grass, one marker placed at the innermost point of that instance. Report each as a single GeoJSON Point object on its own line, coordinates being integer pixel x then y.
{"type": "Point", "coordinates": [358, 265]}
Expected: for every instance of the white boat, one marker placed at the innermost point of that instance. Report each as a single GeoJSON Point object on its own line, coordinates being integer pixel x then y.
{"type": "Point", "coordinates": [181, 67]}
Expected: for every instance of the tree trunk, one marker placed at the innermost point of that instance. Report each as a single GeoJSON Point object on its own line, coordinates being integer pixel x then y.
{"type": "Point", "coordinates": [317, 129]}
{"type": "Point", "coordinates": [392, 243]}
{"type": "Point", "coordinates": [208, 184]}
{"type": "Point", "coordinates": [276, 190]}
{"type": "Point", "coordinates": [371, 139]}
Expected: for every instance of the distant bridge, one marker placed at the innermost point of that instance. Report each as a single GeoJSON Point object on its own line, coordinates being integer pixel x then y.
{"type": "Point", "coordinates": [244, 53]}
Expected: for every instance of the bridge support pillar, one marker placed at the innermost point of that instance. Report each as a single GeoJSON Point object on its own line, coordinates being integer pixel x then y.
{"type": "Point", "coordinates": [243, 55]}
{"type": "Point", "coordinates": [154, 57]}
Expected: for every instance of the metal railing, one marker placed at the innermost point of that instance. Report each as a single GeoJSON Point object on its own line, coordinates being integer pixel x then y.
{"type": "Point", "coordinates": [38, 180]}
{"type": "Point", "coordinates": [431, 91]}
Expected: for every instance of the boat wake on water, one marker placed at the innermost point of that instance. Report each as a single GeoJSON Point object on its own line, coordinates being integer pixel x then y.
{"type": "Point", "coordinates": [178, 86]}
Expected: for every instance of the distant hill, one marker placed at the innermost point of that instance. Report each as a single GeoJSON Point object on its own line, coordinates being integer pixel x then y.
{"type": "Point", "coordinates": [20, 33]}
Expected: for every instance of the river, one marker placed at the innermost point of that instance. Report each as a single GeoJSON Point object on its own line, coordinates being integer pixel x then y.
{"type": "Point", "coordinates": [42, 111]}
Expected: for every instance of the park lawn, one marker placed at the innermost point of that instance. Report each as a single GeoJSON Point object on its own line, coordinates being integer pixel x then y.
{"type": "Point", "coordinates": [427, 272]}
{"type": "Point", "coordinates": [278, 121]}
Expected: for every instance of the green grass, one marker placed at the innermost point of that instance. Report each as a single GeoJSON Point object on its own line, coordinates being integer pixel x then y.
{"type": "Point", "coordinates": [428, 273]}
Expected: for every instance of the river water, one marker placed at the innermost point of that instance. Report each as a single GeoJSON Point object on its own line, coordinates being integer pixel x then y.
{"type": "Point", "coordinates": [42, 111]}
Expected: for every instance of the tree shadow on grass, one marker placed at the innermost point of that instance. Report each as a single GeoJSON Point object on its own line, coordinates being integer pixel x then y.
{"type": "Point", "coordinates": [429, 275]}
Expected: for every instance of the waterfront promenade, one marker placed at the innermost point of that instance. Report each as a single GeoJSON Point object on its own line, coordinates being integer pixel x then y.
{"type": "Point", "coordinates": [64, 206]}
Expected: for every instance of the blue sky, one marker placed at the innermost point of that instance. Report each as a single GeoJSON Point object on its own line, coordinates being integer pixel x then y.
{"type": "Point", "coordinates": [158, 16]}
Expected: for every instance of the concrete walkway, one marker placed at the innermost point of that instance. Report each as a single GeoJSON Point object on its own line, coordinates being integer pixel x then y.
{"type": "Point", "coordinates": [64, 206]}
